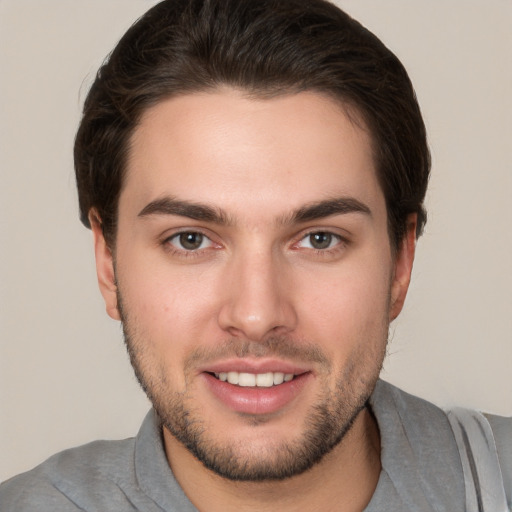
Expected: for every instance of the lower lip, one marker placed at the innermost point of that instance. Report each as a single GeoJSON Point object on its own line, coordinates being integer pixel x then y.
{"type": "Point", "coordinates": [256, 400]}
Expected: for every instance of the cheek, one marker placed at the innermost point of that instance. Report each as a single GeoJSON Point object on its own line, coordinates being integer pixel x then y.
{"type": "Point", "coordinates": [349, 305]}
{"type": "Point", "coordinates": [168, 305]}
{"type": "Point", "coordinates": [166, 319]}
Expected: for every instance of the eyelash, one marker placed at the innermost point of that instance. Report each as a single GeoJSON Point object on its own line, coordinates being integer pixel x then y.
{"type": "Point", "coordinates": [341, 243]}
{"type": "Point", "coordinates": [182, 252]}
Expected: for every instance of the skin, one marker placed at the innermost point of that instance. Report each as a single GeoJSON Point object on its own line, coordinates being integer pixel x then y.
{"type": "Point", "coordinates": [257, 291]}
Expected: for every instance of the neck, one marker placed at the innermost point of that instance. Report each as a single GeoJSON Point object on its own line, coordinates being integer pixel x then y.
{"type": "Point", "coordinates": [344, 480]}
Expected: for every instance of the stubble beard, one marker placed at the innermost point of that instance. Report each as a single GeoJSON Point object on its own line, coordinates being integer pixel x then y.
{"type": "Point", "coordinates": [326, 425]}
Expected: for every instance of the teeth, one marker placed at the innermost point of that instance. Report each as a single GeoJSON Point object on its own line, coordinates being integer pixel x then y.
{"type": "Point", "coordinates": [245, 379]}
{"type": "Point", "coordinates": [279, 378]}
{"type": "Point", "coordinates": [262, 380]}
{"type": "Point", "coordinates": [265, 380]}
{"type": "Point", "coordinates": [233, 377]}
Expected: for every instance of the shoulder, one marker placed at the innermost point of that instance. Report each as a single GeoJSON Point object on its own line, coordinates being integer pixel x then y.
{"type": "Point", "coordinates": [55, 485]}
{"type": "Point", "coordinates": [502, 432]}
{"type": "Point", "coordinates": [460, 450]}
{"type": "Point", "coordinates": [414, 411]}
{"type": "Point", "coordinates": [410, 410]}
{"type": "Point", "coordinates": [419, 429]}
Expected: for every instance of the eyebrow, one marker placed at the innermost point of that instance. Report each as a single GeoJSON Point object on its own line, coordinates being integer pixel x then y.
{"type": "Point", "coordinates": [328, 207]}
{"type": "Point", "coordinates": [202, 212]}
{"type": "Point", "coordinates": [196, 211]}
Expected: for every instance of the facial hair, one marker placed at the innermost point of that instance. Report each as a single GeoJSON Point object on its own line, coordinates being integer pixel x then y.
{"type": "Point", "coordinates": [325, 426]}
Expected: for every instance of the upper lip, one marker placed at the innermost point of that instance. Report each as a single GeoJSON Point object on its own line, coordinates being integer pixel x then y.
{"type": "Point", "coordinates": [263, 365]}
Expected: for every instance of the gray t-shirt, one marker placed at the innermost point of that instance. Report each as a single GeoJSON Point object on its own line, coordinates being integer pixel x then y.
{"type": "Point", "coordinates": [421, 468]}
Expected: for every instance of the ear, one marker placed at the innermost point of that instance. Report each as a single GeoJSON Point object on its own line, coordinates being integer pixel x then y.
{"type": "Point", "coordinates": [104, 266]}
{"type": "Point", "coordinates": [403, 267]}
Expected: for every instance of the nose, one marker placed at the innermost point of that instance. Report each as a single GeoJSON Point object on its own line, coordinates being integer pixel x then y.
{"type": "Point", "coordinates": [257, 298]}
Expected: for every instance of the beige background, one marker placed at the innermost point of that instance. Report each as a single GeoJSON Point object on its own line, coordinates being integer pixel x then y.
{"type": "Point", "coordinates": [64, 377]}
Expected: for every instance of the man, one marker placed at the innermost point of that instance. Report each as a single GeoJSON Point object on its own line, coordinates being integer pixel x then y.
{"type": "Point", "coordinates": [254, 173]}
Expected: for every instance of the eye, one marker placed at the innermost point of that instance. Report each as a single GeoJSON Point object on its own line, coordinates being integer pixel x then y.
{"type": "Point", "coordinates": [320, 240]}
{"type": "Point", "coordinates": [189, 241]}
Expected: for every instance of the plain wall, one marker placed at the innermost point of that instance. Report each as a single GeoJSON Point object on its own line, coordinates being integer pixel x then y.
{"type": "Point", "coordinates": [64, 375]}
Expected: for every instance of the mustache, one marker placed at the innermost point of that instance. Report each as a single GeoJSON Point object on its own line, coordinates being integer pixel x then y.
{"type": "Point", "coordinates": [275, 346]}
{"type": "Point", "coordinates": [284, 347]}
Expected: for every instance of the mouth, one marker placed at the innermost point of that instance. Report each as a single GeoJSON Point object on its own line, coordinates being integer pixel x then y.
{"type": "Point", "coordinates": [261, 380]}
{"type": "Point", "coordinates": [257, 392]}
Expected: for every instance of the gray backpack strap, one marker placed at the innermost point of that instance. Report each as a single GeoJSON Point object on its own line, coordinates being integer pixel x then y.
{"type": "Point", "coordinates": [482, 473]}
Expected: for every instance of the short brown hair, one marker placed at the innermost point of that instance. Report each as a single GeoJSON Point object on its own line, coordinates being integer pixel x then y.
{"type": "Point", "coordinates": [267, 47]}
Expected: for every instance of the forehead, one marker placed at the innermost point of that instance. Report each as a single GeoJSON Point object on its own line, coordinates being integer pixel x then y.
{"type": "Point", "coordinates": [227, 149]}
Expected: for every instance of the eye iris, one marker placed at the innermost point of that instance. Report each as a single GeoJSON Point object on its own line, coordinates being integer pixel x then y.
{"type": "Point", "coordinates": [191, 241]}
{"type": "Point", "coordinates": [320, 240]}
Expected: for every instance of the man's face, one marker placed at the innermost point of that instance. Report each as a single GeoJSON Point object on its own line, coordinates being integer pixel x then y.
{"type": "Point", "coordinates": [254, 276]}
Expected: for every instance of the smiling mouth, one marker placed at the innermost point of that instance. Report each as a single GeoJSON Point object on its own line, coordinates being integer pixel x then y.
{"type": "Point", "coordinates": [263, 380]}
